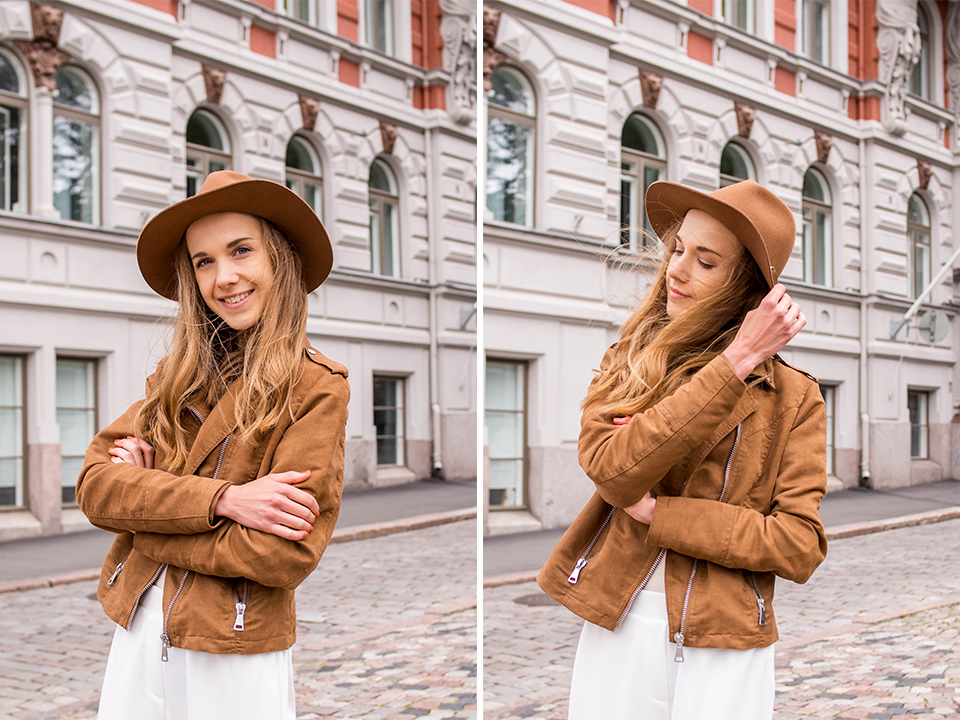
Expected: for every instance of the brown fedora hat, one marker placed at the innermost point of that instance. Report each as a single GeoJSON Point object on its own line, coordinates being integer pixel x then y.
{"type": "Point", "coordinates": [759, 219]}
{"type": "Point", "coordinates": [228, 191]}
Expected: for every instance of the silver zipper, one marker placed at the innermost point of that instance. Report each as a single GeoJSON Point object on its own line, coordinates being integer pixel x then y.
{"type": "Point", "coordinates": [241, 605]}
{"type": "Point", "coordinates": [646, 579]}
{"type": "Point", "coordinates": [164, 638]}
{"type": "Point", "coordinates": [582, 562]}
{"type": "Point", "coordinates": [136, 603]}
{"type": "Point", "coordinates": [678, 636]}
{"type": "Point", "coordinates": [761, 603]}
{"type": "Point", "coordinates": [115, 573]}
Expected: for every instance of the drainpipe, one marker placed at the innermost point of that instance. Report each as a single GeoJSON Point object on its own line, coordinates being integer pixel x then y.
{"type": "Point", "coordinates": [433, 209]}
{"type": "Point", "coordinates": [864, 326]}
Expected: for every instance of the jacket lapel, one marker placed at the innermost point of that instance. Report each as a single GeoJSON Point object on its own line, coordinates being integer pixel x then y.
{"type": "Point", "coordinates": [747, 405]}
{"type": "Point", "coordinates": [219, 423]}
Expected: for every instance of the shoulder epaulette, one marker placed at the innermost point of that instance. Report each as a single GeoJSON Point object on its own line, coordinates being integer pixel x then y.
{"type": "Point", "coordinates": [318, 359]}
{"type": "Point", "coordinates": [802, 372]}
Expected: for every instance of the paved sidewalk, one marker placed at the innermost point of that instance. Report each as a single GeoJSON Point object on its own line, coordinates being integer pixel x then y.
{"type": "Point", "coordinates": [874, 634]}
{"type": "Point", "coordinates": [386, 631]}
{"type": "Point", "coordinates": [853, 511]}
{"type": "Point", "coordinates": [363, 513]}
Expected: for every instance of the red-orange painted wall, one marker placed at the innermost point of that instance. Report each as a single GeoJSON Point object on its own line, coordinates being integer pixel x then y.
{"type": "Point", "coordinates": [429, 97]}
{"type": "Point", "coordinates": [607, 8]}
{"type": "Point", "coordinates": [785, 81]}
{"type": "Point", "coordinates": [425, 18]}
{"type": "Point", "coordinates": [943, 7]}
{"type": "Point", "coordinates": [700, 47]}
{"type": "Point", "coordinates": [864, 57]}
{"type": "Point", "coordinates": [704, 6]}
{"type": "Point", "coordinates": [785, 24]}
{"type": "Point", "coordinates": [269, 4]}
{"type": "Point", "coordinates": [348, 20]}
{"type": "Point", "coordinates": [167, 6]}
{"type": "Point", "coordinates": [349, 72]}
{"type": "Point", "coordinates": [262, 41]}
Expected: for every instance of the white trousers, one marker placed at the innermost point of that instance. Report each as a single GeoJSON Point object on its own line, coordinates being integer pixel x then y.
{"type": "Point", "coordinates": [631, 674]}
{"type": "Point", "coordinates": [192, 685]}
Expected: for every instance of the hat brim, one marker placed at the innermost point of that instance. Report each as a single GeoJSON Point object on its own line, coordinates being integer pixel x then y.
{"type": "Point", "coordinates": [667, 203]}
{"type": "Point", "coordinates": [161, 236]}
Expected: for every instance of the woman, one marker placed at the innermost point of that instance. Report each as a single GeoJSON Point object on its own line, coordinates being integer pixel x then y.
{"type": "Point", "coordinates": [223, 485]}
{"type": "Point", "coordinates": [708, 454]}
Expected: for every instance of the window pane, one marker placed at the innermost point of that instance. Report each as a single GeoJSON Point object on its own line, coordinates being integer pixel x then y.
{"type": "Point", "coordinates": [807, 238]}
{"type": "Point", "coordinates": [506, 483]}
{"type": "Point", "coordinates": [387, 451]}
{"type": "Point", "coordinates": [202, 130]}
{"type": "Point", "coordinates": [504, 386]}
{"type": "Point", "coordinates": [821, 32]}
{"type": "Point", "coordinates": [823, 249]}
{"type": "Point", "coordinates": [299, 156]}
{"type": "Point", "coordinates": [11, 431]}
{"type": "Point", "coordinates": [388, 419]}
{"type": "Point", "coordinates": [921, 264]}
{"type": "Point", "coordinates": [508, 158]}
{"type": "Point", "coordinates": [11, 480]}
{"type": "Point", "coordinates": [381, 178]}
{"type": "Point", "coordinates": [733, 163]}
{"type": "Point", "coordinates": [505, 422]}
{"type": "Point", "coordinates": [813, 187]}
{"type": "Point", "coordinates": [9, 157]}
{"type": "Point", "coordinates": [511, 91]}
{"type": "Point", "coordinates": [505, 434]}
{"type": "Point", "coordinates": [75, 91]}
{"type": "Point", "coordinates": [74, 150]}
{"type": "Point", "coordinates": [375, 236]}
{"type": "Point", "coordinates": [639, 135]}
{"type": "Point", "coordinates": [9, 80]}
{"type": "Point", "coordinates": [917, 211]}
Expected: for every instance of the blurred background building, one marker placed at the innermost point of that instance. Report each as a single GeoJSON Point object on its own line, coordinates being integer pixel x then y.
{"type": "Point", "coordinates": [113, 109]}
{"type": "Point", "coordinates": [846, 109]}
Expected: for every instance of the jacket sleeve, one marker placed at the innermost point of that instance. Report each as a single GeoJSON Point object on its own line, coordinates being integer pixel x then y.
{"type": "Point", "coordinates": [627, 462]}
{"type": "Point", "coordinates": [121, 497]}
{"type": "Point", "coordinates": [790, 541]}
{"type": "Point", "coordinates": [314, 441]}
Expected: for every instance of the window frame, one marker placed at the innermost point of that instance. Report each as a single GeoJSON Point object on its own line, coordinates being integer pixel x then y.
{"type": "Point", "coordinates": [378, 200]}
{"type": "Point", "coordinates": [400, 418]}
{"type": "Point", "coordinates": [921, 428]}
{"type": "Point", "coordinates": [93, 119]}
{"type": "Point", "coordinates": [20, 101]}
{"type": "Point", "coordinates": [829, 392]}
{"type": "Point", "coordinates": [726, 10]}
{"type": "Point", "coordinates": [528, 121]}
{"type": "Point", "coordinates": [920, 82]}
{"type": "Point", "coordinates": [204, 154]}
{"type": "Point", "coordinates": [297, 179]}
{"type": "Point", "coordinates": [522, 489]}
{"type": "Point", "coordinates": [635, 177]}
{"type": "Point", "coordinates": [373, 22]}
{"type": "Point", "coordinates": [914, 232]}
{"type": "Point", "coordinates": [290, 10]}
{"type": "Point", "coordinates": [19, 490]}
{"type": "Point", "coordinates": [808, 30]}
{"type": "Point", "coordinates": [94, 410]}
{"type": "Point", "coordinates": [813, 273]}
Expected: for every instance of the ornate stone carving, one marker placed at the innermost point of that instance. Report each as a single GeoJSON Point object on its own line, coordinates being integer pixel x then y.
{"type": "Point", "coordinates": [824, 144]}
{"type": "Point", "coordinates": [42, 53]}
{"type": "Point", "coordinates": [459, 33]}
{"type": "Point", "coordinates": [953, 59]}
{"type": "Point", "coordinates": [309, 109]}
{"type": "Point", "coordinates": [650, 85]}
{"type": "Point", "coordinates": [899, 43]}
{"type": "Point", "coordinates": [925, 172]}
{"type": "Point", "coordinates": [213, 82]}
{"type": "Point", "coordinates": [745, 116]}
{"type": "Point", "coordinates": [388, 135]}
{"type": "Point", "coordinates": [491, 57]}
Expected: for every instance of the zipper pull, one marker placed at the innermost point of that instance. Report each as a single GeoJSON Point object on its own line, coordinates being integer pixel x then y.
{"type": "Point", "coordinates": [238, 623]}
{"type": "Point", "coordinates": [115, 573]}
{"type": "Point", "coordinates": [575, 575]}
{"type": "Point", "coordinates": [164, 644]}
{"type": "Point", "coordinates": [762, 606]}
{"type": "Point", "coordinates": [678, 639]}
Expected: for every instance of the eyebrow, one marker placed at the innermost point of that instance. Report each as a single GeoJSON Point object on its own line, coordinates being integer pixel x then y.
{"type": "Point", "coordinates": [230, 245]}
{"type": "Point", "coordinates": [703, 248]}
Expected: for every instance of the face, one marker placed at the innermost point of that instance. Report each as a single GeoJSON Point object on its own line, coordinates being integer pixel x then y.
{"type": "Point", "coordinates": [705, 252]}
{"type": "Point", "coordinates": [232, 266]}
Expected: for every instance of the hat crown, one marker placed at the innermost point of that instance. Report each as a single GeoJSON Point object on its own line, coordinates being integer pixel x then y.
{"type": "Point", "coordinates": [221, 179]}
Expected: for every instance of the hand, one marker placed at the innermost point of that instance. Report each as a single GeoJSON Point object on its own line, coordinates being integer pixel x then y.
{"type": "Point", "coordinates": [765, 331]}
{"type": "Point", "coordinates": [622, 420]}
{"type": "Point", "coordinates": [271, 504]}
{"type": "Point", "coordinates": [132, 450]}
{"type": "Point", "coordinates": [642, 511]}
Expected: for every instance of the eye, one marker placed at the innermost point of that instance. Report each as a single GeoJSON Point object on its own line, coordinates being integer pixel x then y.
{"type": "Point", "coordinates": [708, 266]}
{"type": "Point", "coordinates": [242, 250]}
{"type": "Point", "coordinates": [202, 262]}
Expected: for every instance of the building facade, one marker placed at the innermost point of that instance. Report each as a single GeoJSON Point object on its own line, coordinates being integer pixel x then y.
{"type": "Point", "coordinates": [846, 109]}
{"type": "Point", "coordinates": [113, 109]}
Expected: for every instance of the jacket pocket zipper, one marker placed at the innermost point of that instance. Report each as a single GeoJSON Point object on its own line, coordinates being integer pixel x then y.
{"type": "Point", "coordinates": [584, 559]}
{"type": "Point", "coordinates": [115, 574]}
{"type": "Point", "coordinates": [241, 605]}
{"type": "Point", "coordinates": [678, 636]}
{"type": "Point", "coordinates": [164, 638]}
{"type": "Point", "coordinates": [761, 603]}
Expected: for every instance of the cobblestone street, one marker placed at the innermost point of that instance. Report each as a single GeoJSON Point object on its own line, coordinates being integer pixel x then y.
{"type": "Point", "coordinates": [873, 635]}
{"type": "Point", "coordinates": [387, 631]}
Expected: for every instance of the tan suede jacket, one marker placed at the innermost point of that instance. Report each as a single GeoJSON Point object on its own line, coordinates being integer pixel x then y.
{"type": "Point", "coordinates": [738, 470]}
{"type": "Point", "coordinates": [228, 589]}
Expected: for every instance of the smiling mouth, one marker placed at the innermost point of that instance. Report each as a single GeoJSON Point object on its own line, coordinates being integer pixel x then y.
{"type": "Point", "coordinates": [234, 299]}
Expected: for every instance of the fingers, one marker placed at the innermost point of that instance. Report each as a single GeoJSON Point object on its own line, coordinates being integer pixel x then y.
{"type": "Point", "coordinates": [129, 450]}
{"type": "Point", "coordinates": [621, 421]}
{"type": "Point", "coordinates": [290, 476]}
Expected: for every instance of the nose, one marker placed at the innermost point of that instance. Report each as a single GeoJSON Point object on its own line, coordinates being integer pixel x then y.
{"type": "Point", "coordinates": [226, 274]}
{"type": "Point", "coordinates": [678, 268]}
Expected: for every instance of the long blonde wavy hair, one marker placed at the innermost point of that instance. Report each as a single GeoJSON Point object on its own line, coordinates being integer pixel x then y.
{"type": "Point", "coordinates": [206, 356]}
{"type": "Point", "coordinates": [656, 354]}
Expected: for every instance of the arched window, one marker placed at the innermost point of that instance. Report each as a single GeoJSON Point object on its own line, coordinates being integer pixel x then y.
{"type": "Point", "coordinates": [208, 149]}
{"type": "Point", "coordinates": [76, 146]}
{"type": "Point", "coordinates": [303, 173]}
{"type": "Point", "coordinates": [384, 221]}
{"type": "Point", "coordinates": [920, 79]}
{"type": "Point", "coordinates": [642, 161]}
{"type": "Point", "coordinates": [735, 165]}
{"type": "Point", "coordinates": [918, 244]}
{"type": "Point", "coordinates": [817, 225]}
{"type": "Point", "coordinates": [13, 114]}
{"type": "Point", "coordinates": [378, 22]}
{"type": "Point", "coordinates": [511, 119]}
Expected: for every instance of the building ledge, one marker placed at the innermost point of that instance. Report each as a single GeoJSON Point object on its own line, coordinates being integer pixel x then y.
{"type": "Point", "coordinates": [507, 522]}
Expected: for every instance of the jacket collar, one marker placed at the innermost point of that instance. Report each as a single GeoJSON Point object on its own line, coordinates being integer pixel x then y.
{"type": "Point", "coordinates": [762, 374]}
